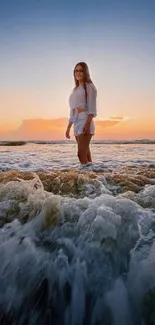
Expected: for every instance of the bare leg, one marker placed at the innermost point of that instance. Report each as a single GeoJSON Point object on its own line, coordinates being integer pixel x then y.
{"type": "Point", "coordinates": [83, 148]}
{"type": "Point", "coordinates": [89, 155]}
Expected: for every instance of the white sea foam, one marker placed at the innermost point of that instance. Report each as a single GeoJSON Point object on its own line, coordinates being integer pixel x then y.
{"type": "Point", "coordinates": [74, 261]}
{"type": "Point", "coordinates": [37, 157]}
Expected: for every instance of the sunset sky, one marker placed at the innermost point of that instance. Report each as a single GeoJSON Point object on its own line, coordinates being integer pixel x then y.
{"type": "Point", "coordinates": [42, 40]}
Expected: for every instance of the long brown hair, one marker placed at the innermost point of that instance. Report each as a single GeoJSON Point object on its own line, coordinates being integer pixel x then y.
{"type": "Point", "coordinates": [86, 76]}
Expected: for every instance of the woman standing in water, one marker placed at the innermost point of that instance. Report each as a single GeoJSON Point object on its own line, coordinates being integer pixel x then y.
{"type": "Point", "coordinates": [82, 103]}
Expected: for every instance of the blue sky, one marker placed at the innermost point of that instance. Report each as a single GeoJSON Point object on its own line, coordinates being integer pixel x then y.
{"type": "Point", "coordinates": [41, 41]}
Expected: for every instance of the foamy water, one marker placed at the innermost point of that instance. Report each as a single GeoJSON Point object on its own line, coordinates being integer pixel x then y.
{"type": "Point", "coordinates": [84, 255]}
{"type": "Point", "coordinates": [46, 157]}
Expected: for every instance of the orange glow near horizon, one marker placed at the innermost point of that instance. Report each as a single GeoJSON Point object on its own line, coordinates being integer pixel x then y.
{"type": "Point", "coordinates": [37, 59]}
{"type": "Point", "coordinates": [118, 128]}
{"type": "Point", "coordinates": [13, 126]}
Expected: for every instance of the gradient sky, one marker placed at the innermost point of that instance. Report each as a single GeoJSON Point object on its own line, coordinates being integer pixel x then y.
{"type": "Point", "coordinates": [42, 40]}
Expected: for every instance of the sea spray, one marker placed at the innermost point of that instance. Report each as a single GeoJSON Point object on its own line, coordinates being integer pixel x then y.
{"type": "Point", "coordinates": [75, 261]}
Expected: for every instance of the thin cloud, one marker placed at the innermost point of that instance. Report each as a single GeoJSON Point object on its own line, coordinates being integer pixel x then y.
{"type": "Point", "coordinates": [110, 121]}
{"type": "Point", "coordinates": [107, 123]}
{"type": "Point", "coordinates": [116, 118]}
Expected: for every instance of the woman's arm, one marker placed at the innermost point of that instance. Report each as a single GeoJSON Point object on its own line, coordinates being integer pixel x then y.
{"type": "Point", "coordinates": [68, 129]}
{"type": "Point", "coordinates": [69, 125]}
{"type": "Point", "coordinates": [89, 118]}
{"type": "Point", "coordinates": [91, 104]}
{"type": "Point", "coordinates": [91, 99]}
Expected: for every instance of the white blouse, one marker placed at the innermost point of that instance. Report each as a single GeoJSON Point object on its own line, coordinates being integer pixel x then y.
{"type": "Point", "coordinates": [78, 99]}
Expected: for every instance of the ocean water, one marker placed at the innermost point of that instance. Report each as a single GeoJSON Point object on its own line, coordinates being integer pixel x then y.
{"type": "Point", "coordinates": [77, 247]}
{"type": "Point", "coordinates": [62, 155]}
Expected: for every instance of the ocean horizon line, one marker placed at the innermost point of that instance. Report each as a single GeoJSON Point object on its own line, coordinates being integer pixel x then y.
{"type": "Point", "coordinates": [101, 141]}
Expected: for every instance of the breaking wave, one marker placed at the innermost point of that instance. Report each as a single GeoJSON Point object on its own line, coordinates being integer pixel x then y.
{"type": "Point", "coordinates": [77, 248]}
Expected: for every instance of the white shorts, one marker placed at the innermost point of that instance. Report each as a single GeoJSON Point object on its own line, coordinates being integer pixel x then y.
{"type": "Point", "coordinates": [80, 123]}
